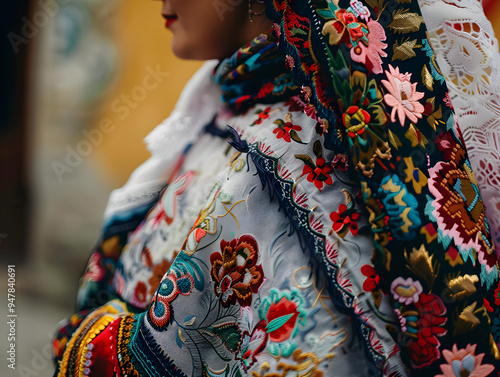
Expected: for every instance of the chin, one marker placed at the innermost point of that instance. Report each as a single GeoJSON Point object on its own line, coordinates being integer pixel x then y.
{"type": "Point", "coordinates": [187, 51]}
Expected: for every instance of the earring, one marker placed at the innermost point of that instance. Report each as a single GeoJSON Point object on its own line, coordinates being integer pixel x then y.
{"type": "Point", "coordinates": [251, 13]}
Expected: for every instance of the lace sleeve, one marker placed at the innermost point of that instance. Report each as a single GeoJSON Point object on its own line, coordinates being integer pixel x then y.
{"type": "Point", "coordinates": [468, 56]}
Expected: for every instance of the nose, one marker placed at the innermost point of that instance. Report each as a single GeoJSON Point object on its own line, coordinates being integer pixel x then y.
{"type": "Point", "coordinates": [165, 9]}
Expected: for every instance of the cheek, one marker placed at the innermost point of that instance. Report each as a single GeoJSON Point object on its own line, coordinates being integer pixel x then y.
{"type": "Point", "coordinates": [204, 34]}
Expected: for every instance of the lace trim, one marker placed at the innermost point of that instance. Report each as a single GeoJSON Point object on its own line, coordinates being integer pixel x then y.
{"type": "Point", "coordinates": [468, 56]}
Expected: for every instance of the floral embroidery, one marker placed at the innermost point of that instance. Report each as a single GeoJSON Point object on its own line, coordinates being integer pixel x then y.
{"type": "Point", "coordinates": [497, 296]}
{"type": "Point", "coordinates": [363, 115]}
{"type": "Point", "coordinates": [235, 271]}
{"type": "Point", "coordinates": [457, 209]}
{"type": "Point", "coordinates": [94, 270]}
{"type": "Point", "coordinates": [372, 278]}
{"type": "Point", "coordinates": [318, 173]}
{"type": "Point", "coordinates": [403, 220]}
{"type": "Point", "coordinates": [160, 310]}
{"type": "Point", "coordinates": [371, 55]}
{"type": "Point", "coordinates": [358, 117]}
{"type": "Point", "coordinates": [262, 114]}
{"type": "Point", "coordinates": [340, 162]}
{"type": "Point", "coordinates": [283, 312]}
{"type": "Point", "coordinates": [415, 176]}
{"type": "Point", "coordinates": [140, 294]}
{"type": "Point", "coordinates": [431, 319]}
{"type": "Point", "coordinates": [359, 10]}
{"type": "Point", "coordinates": [403, 96]}
{"type": "Point", "coordinates": [406, 291]}
{"type": "Point", "coordinates": [345, 218]}
{"type": "Point", "coordinates": [346, 28]}
{"type": "Point", "coordinates": [453, 257]}
{"type": "Point", "coordinates": [286, 130]}
{"type": "Point", "coordinates": [464, 362]}
{"type": "Point", "coordinates": [355, 120]}
{"type": "Point", "coordinates": [253, 344]}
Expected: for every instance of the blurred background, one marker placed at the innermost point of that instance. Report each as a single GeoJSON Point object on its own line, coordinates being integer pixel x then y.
{"type": "Point", "coordinates": [82, 82]}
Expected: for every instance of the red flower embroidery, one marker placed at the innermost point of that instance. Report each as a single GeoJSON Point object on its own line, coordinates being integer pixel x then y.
{"type": "Point", "coordinates": [264, 114]}
{"type": "Point", "coordinates": [253, 344]}
{"type": "Point", "coordinates": [95, 270]}
{"type": "Point", "coordinates": [235, 271]}
{"type": "Point", "coordinates": [345, 220]}
{"type": "Point", "coordinates": [345, 28]}
{"type": "Point", "coordinates": [320, 173]}
{"type": "Point", "coordinates": [286, 130]}
{"type": "Point", "coordinates": [373, 279]}
{"type": "Point", "coordinates": [140, 294]}
{"type": "Point", "coordinates": [355, 120]}
{"type": "Point", "coordinates": [282, 310]}
{"type": "Point", "coordinates": [497, 296]}
{"type": "Point", "coordinates": [340, 162]}
{"type": "Point", "coordinates": [295, 103]}
{"type": "Point", "coordinates": [432, 312]}
{"type": "Point", "coordinates": [284, 133]}
{"type": "Point", "coordinates": [349, 21]}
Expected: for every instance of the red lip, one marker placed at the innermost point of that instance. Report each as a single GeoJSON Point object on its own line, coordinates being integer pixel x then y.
{"type": "Point", "coordinates": [169, 19]}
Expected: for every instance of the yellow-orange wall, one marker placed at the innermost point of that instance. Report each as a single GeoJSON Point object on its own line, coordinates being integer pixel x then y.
{"type": "Point", "coordinates": [142, 39]}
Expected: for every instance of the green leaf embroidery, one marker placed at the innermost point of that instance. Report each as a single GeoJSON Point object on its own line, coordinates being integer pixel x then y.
{"type": "Point", "coordinates": [276, 323]}
{"type": "Point", "coordinates": [317, 149]}
{"type": "Point", "coordinates": [307, 160]}
{"type": "Point", "coordinates": [295, 136]}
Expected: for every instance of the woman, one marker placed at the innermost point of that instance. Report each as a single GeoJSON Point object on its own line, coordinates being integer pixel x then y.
{"type": "Point", "coordinates": [340, 233]}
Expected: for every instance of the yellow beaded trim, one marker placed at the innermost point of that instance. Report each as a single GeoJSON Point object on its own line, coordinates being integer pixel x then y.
{"type": "Point", "coordinates": [99, 318]}
{"type": "Point", "coordinates": [124, 358]}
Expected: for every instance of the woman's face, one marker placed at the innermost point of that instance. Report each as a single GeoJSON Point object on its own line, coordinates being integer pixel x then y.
{"type": "Point", "coordinates": [211, 29]}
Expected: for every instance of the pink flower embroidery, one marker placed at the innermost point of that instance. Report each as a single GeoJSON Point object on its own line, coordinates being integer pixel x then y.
{"type": "Point", "coordinates": [463, 362]}
{"type": "Point", "coordinates": [360, 10]}
{"type": "Point", "coordinates": [403, 96]}
{"type": "Point", "coordinates": [371, 55]}
{"type": "Point", "coordinates": [406, 291]}
{"type": "Point", "coordinates": [402, 321]}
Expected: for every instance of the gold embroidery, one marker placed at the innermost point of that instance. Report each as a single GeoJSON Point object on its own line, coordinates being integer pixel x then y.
{"type": "Point", "coordinates": [461, 287]}
{"type": "Point", "coordinates": [122, 340]}
{"type": "Point", "coordinates": [467, 320]}
{"type": "Point", "coordinates": [404, 49]}
{"type": "Point", "coordinates": [415, 136]}
{"type": "Point", "coordinates": [494, 348]}
{"type": "Point", "coordinates": [393, 138]}
{"type": "Point", "coordinates": [427, 233]}
{"type": "Point", "coordinates": [421, 264]}
{"type": "Point", "coordinates": [404, 22]}
{"type": "Point", "coordinates": [376, 4]}
{"type": "Point", "coordinates": [427, 78]}
{"type": "Point", "coordinates": [305, 365]}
